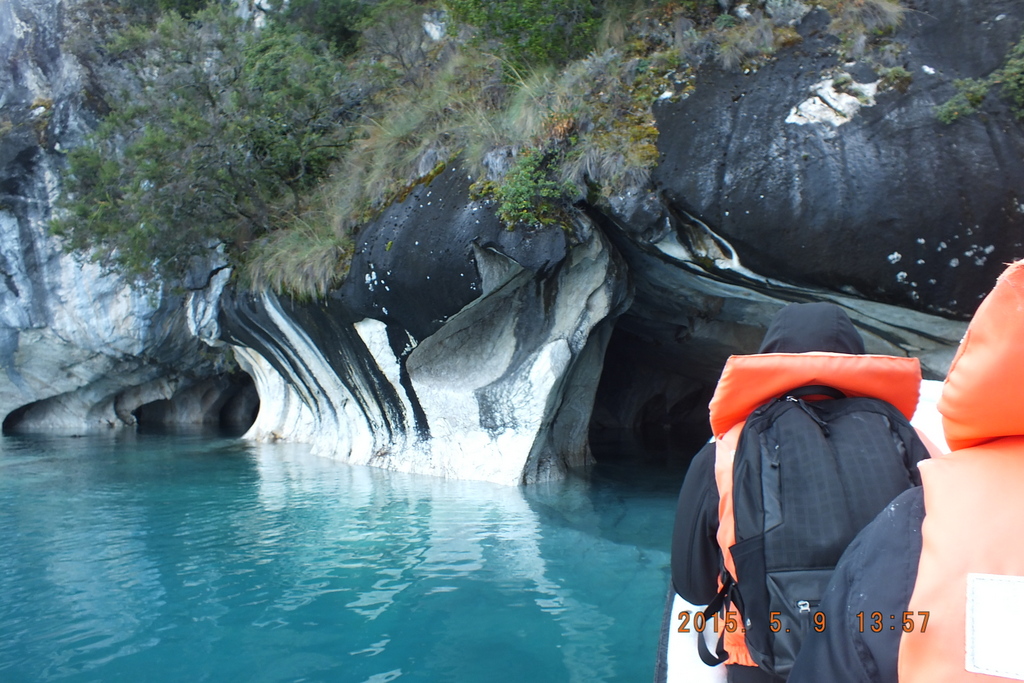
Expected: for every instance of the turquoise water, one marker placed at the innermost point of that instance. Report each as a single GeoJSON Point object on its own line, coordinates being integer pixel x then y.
{"type": "Point", "coordinates": [189, 558]}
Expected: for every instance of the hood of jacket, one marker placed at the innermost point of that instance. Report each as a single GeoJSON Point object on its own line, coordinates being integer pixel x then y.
{"type": "Point", "coordinates": [822, 326]}
{"type": "Point", "coordinates": [982, 396]}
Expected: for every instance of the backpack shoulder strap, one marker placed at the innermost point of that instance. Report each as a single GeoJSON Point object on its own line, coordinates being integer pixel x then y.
{"type": "Point", "coordinates": [720, 601]}
{"type": "Point", "coordinates": [725, 453]}
{"type": "Point", "coordinates": [731, 644]}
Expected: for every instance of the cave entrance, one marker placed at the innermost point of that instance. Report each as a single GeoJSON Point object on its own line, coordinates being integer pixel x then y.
{"type": "Point", "coordinates": [651, 405]}
{"type": "Point", "coordinates": [227, 404]}
{"type": "Point", "coordinates": [14, 420]}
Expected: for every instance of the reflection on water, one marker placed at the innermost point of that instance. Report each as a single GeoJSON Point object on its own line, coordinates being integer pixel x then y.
{"type": "Point", "coordinates": [190, 558]}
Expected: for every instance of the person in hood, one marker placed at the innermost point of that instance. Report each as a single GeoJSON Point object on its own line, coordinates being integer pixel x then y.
{"type": "Point", "coordinates": [932, 590]}
{"type": "Point", "coordinates": [806, 344]}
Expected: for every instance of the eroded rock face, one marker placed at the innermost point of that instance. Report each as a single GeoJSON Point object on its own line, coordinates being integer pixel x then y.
{"type": "Point", "coordinates": [860, 188]}
{"type": "Point", "coordinates": [493, 379]}
{"type": "Point", "coordinates": [228, 401]}
{"type": "Point", "coordinates": [456, 347]}
{"type": "Point", "coordinates": [695, 305]}
{"type": "Point", "coordinates": [80, 349]}
{"type": "Point", "coordinates": [783, 184]}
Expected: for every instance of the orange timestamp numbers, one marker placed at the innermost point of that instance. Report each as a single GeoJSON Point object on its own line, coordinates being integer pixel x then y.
{"type": "Point", "coordinates": [731, 622]}
{"type": "Point", "coordinates": [875, 622]}
{"type": "Point", "coordinates": [878, 622]}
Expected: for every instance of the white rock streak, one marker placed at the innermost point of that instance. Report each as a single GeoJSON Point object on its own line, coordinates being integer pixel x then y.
{"type": "Point", "coordinates": [830, 106]}
{"type": "Point", "coordinates": [489, 388]}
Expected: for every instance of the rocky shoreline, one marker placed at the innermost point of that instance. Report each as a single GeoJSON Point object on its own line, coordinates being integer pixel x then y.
{"type": "Point", "coordinates": [458, 348]}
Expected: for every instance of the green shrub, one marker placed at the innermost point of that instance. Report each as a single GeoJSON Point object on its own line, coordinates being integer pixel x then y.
{"type": "Point", "coordinates": [336, 21]}
{"type": "Point", "coordinates": [971, 92]}
{"type": "Point", "coordinates": [969, 96]}
{"type": "Point", "coordinates": [152, 8]}
{"type": "Point", "coordinates": [895, 78]}
{"type": "Point", "coordinates": [1011, 79]}
{"type": "Point", "coordinates": [532, 32]}
{"type": "Point", "coordinates": [528, 194]}
{"type": "Point", "coordinates": [842, 80]}
{"type": "Point", "coordinates": [726, 21]}
{"type": "Point", "coordinates": [224, 136]}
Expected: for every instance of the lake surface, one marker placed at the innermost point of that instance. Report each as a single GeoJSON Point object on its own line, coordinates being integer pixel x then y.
{"type": "Point", "coordinates": [191, 558]}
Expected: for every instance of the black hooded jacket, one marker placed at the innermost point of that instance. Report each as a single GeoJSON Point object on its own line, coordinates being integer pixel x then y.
{"type": "Point", "coordinates": [696, 559]}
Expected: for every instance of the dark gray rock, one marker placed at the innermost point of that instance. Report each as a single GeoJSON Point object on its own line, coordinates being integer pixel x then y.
{"type": "Point", "coordinates": [886, 203]}
{"type": "Point", "coordinates": [415, 266]}
{"type": "Point", "coordinates": [230, 401]}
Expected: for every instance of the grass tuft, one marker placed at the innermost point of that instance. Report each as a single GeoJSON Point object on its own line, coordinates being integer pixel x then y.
{"type": "Point", "coordinates": [753, 37]}
{"type": "Point", "coordinates": [305, 258]}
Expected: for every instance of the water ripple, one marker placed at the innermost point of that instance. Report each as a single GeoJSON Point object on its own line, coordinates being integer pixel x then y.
{"type": "Point", "coordinates": [206, 560]}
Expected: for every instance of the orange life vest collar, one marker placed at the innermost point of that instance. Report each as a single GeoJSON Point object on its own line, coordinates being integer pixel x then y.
{"type": "Point", "coordinates": [751, 381]}
{"type": "Point", "coordinates": [981, 398]}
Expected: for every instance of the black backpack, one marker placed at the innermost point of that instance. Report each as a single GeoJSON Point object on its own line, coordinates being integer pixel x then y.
{"type": "Point", "coordinates": [807, 477]}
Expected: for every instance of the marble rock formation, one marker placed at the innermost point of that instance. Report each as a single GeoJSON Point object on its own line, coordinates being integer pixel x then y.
{"type": "Point", "coordinates": [455, 348]}
{"type": "Point", "coordinates": [696, 303]}
{"type": "Point", "coordinates": [80, 349]}
{"type": "Point", "coordinates": [459, 348]}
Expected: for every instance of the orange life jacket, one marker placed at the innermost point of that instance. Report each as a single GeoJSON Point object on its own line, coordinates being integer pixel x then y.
{"type": "Point", "coordinates": [749, 382]}
{"type": "Point", "coordinates": [974, 509]}
{"type": "Point", "coordinates": [962, 536]}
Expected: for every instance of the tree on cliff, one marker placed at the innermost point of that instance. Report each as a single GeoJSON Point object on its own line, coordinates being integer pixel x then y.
{"type": "Point", "coordinates": [229, 135]}
{"type": "Point", "coordinates": [223, 137]}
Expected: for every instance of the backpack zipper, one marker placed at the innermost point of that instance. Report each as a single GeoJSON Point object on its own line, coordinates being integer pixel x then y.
{"type": "Point", "coordinates": [810, 413]}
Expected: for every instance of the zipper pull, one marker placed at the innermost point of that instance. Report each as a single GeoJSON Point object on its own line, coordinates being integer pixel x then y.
{"type": "Point", "coordinates": [811, 414]}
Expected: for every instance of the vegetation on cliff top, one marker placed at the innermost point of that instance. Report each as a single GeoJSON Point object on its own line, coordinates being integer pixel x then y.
{"type": "Point", "coordinates": [279, 141]}
{"type": "Point", "coordinates": [222, 140]}
{"type": "Point", "coordinates": [971, 92]}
